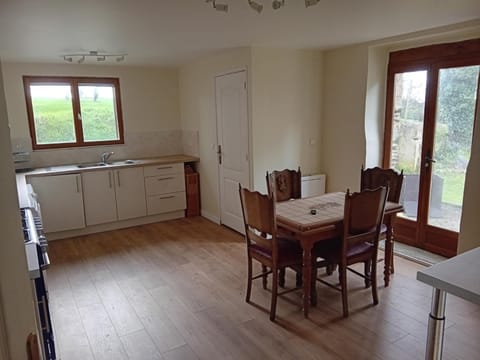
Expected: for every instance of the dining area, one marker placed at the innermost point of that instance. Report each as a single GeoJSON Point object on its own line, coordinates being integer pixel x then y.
{"type": "Point", "coordinates": [329, 232]}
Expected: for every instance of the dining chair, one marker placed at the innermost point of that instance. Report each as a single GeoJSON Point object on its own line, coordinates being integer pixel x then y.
{"type": "Point", "coordinates": [264, 244]}
{"type": "Point", "coordinates": [363, 216]}
{"type": "Point", "coordinates": [371, 178]}
{"type": "Point", "coordinates": [287, 185]}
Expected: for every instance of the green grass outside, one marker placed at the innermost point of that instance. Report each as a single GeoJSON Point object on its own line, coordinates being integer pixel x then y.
{"type": "Point", "coordinates": [453, 184]}
{"type": "Point", "coordinates": [54, 120]}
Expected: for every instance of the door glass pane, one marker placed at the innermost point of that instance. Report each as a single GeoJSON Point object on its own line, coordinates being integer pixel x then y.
{"type": "Point", "coordinates": [53, 114]}
{"type": "Point", "coordinates": [407, 134]}
{"type": "Point", "coordinates": [456, 99]}
{"type": "Point", "coordinates": [99, 120]}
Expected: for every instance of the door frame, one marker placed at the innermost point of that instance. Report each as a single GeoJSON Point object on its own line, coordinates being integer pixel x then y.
{"type": "Point", "coordinates": [431, 58]}
{"type": "Point", "coordinates": [218, 140]}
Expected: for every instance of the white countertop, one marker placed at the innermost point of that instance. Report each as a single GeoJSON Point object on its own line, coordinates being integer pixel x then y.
{"type": "Point", "coordinates": [459, 276]}
{"type": "Point", "coordinates": [74, 168]}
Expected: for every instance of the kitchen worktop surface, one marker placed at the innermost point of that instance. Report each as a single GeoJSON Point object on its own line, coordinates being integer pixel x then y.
{"type": "Point", "coordinates": [74, 168]}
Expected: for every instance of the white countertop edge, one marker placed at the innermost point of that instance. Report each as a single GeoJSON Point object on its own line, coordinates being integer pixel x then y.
{"type": "Point", "coordinates": [449, 287]}
{"type": "Point", "coordinates": [459, 276]}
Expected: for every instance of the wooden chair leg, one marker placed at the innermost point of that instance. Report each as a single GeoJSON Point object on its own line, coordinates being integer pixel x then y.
{"type": "Point", "coordinates": [298, 279]}
{"type": "Point", "coordinates": [330, 268]}
{"type": "Point", "coordinates": [367, 272]}
{"type": "Point", "coordinates": [264, 277]}
{"type": "Point", "coordinates": [374, 282]}
{"type": "Point", "coordinates": [249, 279]}
{"type": "Point", "coordinates": [343, 284]}
{"type": "Point", "coordinates": [273, 306]}
{"type": "Point", "coordinates": [281, 278]}
{"type": "Point", "coordinates": [392, 269]}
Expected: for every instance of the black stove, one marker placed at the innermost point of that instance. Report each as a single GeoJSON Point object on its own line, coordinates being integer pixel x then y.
{"type": "Point", "coordinates": [36, 241]}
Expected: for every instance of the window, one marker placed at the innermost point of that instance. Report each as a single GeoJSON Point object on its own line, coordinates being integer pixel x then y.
{"type": "Point", "coordinates": [70, 111]}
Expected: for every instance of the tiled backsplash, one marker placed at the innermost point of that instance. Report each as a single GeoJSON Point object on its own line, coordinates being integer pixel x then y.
{"type": "Point", "coordinates": [137, 145]}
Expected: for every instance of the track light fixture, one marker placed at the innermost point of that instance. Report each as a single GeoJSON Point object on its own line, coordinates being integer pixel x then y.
{"type": "Point", "coordinates": [217, 6]}
{"type": "Point", "coordinates": [257, 6]}
{"type": "Point", "coordinates": [81, 57]}
{"type": "Point", "coordinates": [277, 4]}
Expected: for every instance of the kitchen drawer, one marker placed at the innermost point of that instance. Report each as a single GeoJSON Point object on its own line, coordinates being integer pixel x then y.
{"type": "Point", "coordinates": [155, 170]}
{"type": "Point", "coordinates": [156, 185]}
{"type": "Point", "coordinates": [166, 203]}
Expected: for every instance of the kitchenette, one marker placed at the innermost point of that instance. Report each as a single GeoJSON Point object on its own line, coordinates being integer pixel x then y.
{"type": "Point", "coordinates": [72, 200]}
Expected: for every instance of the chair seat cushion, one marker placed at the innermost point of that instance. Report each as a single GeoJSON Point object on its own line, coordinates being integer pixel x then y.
{"type": "Point", "coordinates": [289, 252]}
{"type": "Point", "coordinates": [330, 250]}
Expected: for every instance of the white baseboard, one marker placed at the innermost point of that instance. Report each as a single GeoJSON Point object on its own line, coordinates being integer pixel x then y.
{"type": "Point", "coordinates": [116, 225]}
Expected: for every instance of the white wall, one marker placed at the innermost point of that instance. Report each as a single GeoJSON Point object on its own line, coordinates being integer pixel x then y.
{"type": "Point", "coordinates": [150, 106]}
{"type": "Point", "coordinates": [286, 111]}
{"type": "Point", "coordinates": [15, 291]}
{"type": "Point", "coordinates": [197, 104]}
{"type": "Point", "coordinates": [344, 93]}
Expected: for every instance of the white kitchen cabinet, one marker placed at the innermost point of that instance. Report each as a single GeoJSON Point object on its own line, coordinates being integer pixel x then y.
{"type": "Point", "coordinates": [130, 193]}
{"type": "Point", "coordinates": [61, 201]}
{"type": "Point", "coordinates": [111, 195]}
{"type": "Point", "coordinates": [99, 197]}
{"type": "Point", "coordinates": [165, 188]}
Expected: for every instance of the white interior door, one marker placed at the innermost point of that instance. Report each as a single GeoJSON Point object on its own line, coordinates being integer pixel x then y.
{"type": "Point", "coordinates": [232, 133]}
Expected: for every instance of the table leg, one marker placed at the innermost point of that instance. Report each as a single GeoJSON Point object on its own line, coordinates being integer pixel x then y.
{"type": "Point", "coordinates": [307, 275]}
{"type": "Point", "coordinates": [388, 253]}
{"type": "Point", "coordinates": [436, 326]}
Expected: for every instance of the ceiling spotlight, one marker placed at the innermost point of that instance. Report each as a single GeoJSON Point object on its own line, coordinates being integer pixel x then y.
{"type": "Point", "coordinates": [255, 6]}
{"type": "Point", "coordinates": [311, 2]}
{"type": "Point", "coordinates": [220, 7]}
{"type": "Point", "coordinates": [68, 58]}
{"type": "Point", "coordinates": [81, 60]}
{"type": "Point", "coordinates": [101, 58]}
{"type": "Point", "coordinates": [277, 4]}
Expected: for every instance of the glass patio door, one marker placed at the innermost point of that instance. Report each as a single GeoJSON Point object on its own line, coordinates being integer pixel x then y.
{"type": "Point", "coordinates": [429, 125]}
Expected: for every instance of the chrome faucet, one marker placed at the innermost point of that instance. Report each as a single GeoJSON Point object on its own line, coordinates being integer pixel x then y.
{"type": "Point", "coordinates": [105, 156]}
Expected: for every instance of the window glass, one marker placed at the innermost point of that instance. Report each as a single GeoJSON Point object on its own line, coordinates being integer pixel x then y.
{"type": "Point", "coordinates": [97, 104]}
{"type": "Point", "coordinates": [53, 114]}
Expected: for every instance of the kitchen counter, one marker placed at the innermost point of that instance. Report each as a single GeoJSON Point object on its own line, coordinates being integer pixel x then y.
{"type": "Point", "coordinates": [457, 276]}
{"type": "Point", "coordinates": [74, 168]}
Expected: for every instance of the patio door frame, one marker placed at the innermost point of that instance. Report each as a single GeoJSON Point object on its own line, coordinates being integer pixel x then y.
{"type": "Point", "coordinates": [430, 58]}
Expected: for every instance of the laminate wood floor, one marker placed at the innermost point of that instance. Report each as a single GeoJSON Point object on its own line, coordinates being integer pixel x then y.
{"type": "Point", "coordinates": [176, 291]}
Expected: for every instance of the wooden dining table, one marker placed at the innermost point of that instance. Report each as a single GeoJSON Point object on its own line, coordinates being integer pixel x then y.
{"type": "Point", "coordinates": [320, 218]}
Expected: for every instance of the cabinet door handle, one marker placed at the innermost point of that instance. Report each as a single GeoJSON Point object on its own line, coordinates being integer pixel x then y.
{"type": "Point", "coordinates": [166, 178]}
{"type": "Point", "coordinates": [164, 167]}
{"type": "Point", "coordinates": [110, 179]}
{"type": "Point", "coordinates": [118, 178]}
{"type": "Point", "coordinates": [167, 197]}
{"type": "Point", "coordinates": [77, 183]}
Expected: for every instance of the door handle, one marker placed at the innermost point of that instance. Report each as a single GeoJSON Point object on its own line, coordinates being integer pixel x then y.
{"type": "Point", "coordinates": [219, 153]}
{"type": "Point", "coordinates": [428, 161]}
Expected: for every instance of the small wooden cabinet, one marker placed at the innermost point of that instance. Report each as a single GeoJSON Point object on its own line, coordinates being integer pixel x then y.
{"type": "Point", "coordinates": [193, 194]}
{"type": "Point", "coordinates": [61, 201]}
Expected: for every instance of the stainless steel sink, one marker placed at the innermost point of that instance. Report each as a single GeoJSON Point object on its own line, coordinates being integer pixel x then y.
{"type": "Point", "coordinates": [87, 165]}
{"type": "Point", "coordinates": [121, 162]}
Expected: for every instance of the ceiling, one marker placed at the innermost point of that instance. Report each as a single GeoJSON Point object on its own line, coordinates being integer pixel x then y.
{"type": "Point", "coordinates": [170, 32]}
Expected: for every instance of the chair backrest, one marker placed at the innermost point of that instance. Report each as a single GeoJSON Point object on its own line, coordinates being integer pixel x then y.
{"type": "Point", "coordinates": [372, 178]}
{"type": "Point", "coordinates": [363, 217]}
{"type": "Point", "coordinates": [287, 184]}
{"type": "Point", "coordinates": [259, 220]}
